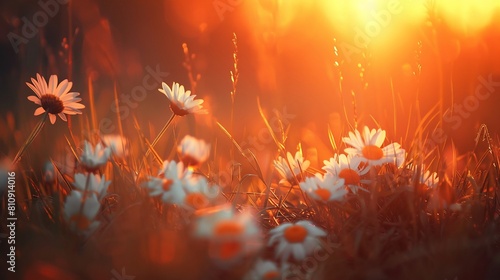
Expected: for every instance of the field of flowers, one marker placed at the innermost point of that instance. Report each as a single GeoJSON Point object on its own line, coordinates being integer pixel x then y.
{"type": "Point", "coordinates": [192, 199]}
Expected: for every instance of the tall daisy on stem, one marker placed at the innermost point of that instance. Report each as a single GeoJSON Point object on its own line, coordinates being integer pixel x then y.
{"type": "Point", "coordinates": [181, 104]}
{"type": "Point", "coordinates": [54, 99]}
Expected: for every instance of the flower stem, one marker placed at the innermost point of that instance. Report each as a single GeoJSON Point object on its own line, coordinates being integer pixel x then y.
{"type": "Point", "coordinates": [162, 131]}
{"type": "Point", "coordinates": [31, 137]}
{"type": "Point", "coordinates": [156, 140]}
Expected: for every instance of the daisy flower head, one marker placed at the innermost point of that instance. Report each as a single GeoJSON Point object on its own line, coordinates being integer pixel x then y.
{"type": "Point", "coordinates": [295, 240]}
{"type": "Point", "coordinates": [297, 165]}
{"type": "Point", "coordinates": [199, 193]}
{"type": "Point", "coordinates": [169, 183]}
{"type": "Point", "coordinates": [206, 218]}
{"type": "Point", "coordinates": [54, 98]}
{"type": "Point", "coordinates": [181, 100]}
{"type": "Point", "coordinates": [369, 148]}
{"type": "Point", "coordinates": [80, 211]}
{"type": "Point", "coordinates": [94, 157]}
{"type": "Point", "coordinates": [230, 235]}
{"type": "Point", "coordinates": [264, 270]}
{"type": "Point", "coordinates": [117, 144]}
{"type": "Point", "coordinates": [193, 152]}
{"type": "Point", "coordinates": [350, 168]}
{"type": "Point", "coordinates": [92, 183]}
{"type": "Point", "coordinates": [324, 188]}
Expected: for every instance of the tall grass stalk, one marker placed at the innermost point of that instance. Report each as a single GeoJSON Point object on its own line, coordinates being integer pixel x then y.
{"type": "Point", "coordinates": [34, 133]}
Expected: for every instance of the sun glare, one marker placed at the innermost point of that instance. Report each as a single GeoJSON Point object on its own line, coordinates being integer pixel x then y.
{"type": "Point", "coordinates": [468, 17]}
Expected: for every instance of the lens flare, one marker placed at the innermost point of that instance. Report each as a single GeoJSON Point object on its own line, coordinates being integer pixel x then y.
{"type": "Point", "coordinates": [467, 17]}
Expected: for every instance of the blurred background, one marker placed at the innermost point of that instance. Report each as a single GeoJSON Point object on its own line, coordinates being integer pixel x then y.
{"type": "Point", "coordinates": [325, 62]}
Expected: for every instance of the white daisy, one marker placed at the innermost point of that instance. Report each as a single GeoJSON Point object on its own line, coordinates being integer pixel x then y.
{"type": "Point", "coordinates": [169, 183]}
{"type": "Point", "coordinates": [80, 217]}
{"type": "Point", "coordinates": [199, 194]}
{"type": "Point", "coordinates": [264, 270]}
{"type": "Point", "coordinates": [324, 188]}
{"type": "Point", "coordinates": [369, 145]}
{"type": "Point", "coordinates": [193, 152]}
{"type": "Point", "coordinates": [54, 98]}
{"type": "Point", "coordinates": [94, 157]}
{"type": "Point", "coordinates": [92, 183]}
{"type": "Point", "coordinates": [297, 240]}
{"type": "Point", "coordinates": [297, 165]}
{"type": "Point", "coordinates": [206, 218]}
{"type": "Point", "coordinates": [117, 144]}
{"type": "Point", "coordinates": [181, 101]}
{"type": "Point", "coordinates": [230, 235]}
{"type": "Point", "coordinates": [350, 168]}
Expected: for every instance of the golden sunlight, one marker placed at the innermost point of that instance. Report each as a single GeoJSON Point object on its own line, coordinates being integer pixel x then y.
{"type": "Point", "coordinates": [227, 139]}
{"type": "Point", "coordinates": [467, 17]}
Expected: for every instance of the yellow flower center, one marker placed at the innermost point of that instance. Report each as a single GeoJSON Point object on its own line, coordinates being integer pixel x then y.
{"type": "Point", "coordinates": [196, 200]}
{"type": "Point", "coordinates": [51, 104]}
{"type": "Point", "coordinates": [166, 184]}
{"type": "Point", "coordinates": [350, 176]}
{"type": "Point", "coordinates": [295, 234]}
{"type": "Point", "coordinates": [324, 194]}
{"type": "Point", "coordinates": [80, 221]}
{"type": "Point", "coordinates": [271, 275]}
{"type": "Point", "coordinates": [372, 152]}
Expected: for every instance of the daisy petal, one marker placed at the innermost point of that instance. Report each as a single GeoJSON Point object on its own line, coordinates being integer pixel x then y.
{"type": "Point", "coordinates": [34, 99]}
{"type": "Point", "coordinates": [52, 83]}
{"type": "Point", "coordinates": [62, 116]}
{"type": "Point", "coordinates": [34, 89]}
{"type": "Point", "coordinates": [61, 88]}
{"type": "Point", "coordinates": [39, 111]}
{"type": "Point", "coordinates": [52, 118]}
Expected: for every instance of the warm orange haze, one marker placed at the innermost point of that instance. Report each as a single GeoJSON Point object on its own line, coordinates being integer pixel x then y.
{"type": "Point", "coordinates": [250, 139]}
